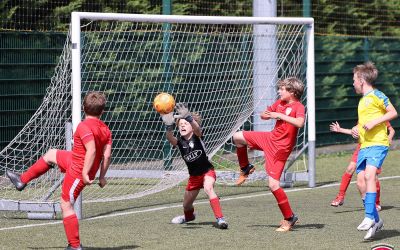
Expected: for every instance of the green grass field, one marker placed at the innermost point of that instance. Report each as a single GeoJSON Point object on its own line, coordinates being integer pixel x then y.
{"type": "Point", "coordinates": [250, 210]}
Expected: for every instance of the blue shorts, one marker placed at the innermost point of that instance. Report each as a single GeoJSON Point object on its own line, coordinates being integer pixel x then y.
{"type": "Point", "coordinates": [373, 156]}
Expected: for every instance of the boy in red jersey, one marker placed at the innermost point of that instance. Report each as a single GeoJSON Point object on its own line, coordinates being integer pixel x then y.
{"type": "Point", "coordinates": [91, 151]}
{"type": "Point", "coordinates": [201, 171]}
{"type": "Point", "coordinates": [351, 168]}
{"type": "Point", "coordinates": [276, 144]}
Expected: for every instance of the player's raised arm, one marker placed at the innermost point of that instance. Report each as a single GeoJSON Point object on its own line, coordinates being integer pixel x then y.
{"type": "Point", "coordinates": [169, 121]}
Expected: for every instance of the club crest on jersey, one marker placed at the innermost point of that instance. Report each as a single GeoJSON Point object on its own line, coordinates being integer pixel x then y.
{"type": "Point", "coordinates": [192, 156]}
{"type": "Point", "coordinates": [367, 102]}
{"type": "Point", "coordinates": [288, 110]}
{"type": "Point", "coordinates": [191, 144]}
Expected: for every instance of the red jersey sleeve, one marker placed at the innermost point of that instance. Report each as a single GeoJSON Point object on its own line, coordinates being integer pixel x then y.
{"type": "Point", "coordinates": [274, 106]}
{"type": "Point", "coordinates": [85, 133]}
{"type": "Point", "coordinates": [300, 110]}
{"type": "Point", "coordinates": [109, 141]}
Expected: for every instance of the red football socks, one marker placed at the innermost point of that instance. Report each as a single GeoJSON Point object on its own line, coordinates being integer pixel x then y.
{"type": "Point", "coordinates": [242, 156]}
{"type": "Point", "coordinates": [71, 227]}
{"type": "Point", "coordinates": [189, 215]}
{"type": "Point", "coordinates": [378, 192]}
{"type": "Point", "coordinates": [283, 203]}
{"type": "Point", "coordinates": [346, 178]}
{"type": "Point", "coordinates": [216, 207]}
{"type": "Point", "coordinates": [40, 167]}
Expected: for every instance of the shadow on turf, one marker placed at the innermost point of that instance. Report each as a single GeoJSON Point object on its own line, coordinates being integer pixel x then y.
{"type": "Point", "coordinates": [93, 248]}
{"type": "Point", "coordinates": [297, 226]}
{"type": "Point", "coordinates": [193, 225]}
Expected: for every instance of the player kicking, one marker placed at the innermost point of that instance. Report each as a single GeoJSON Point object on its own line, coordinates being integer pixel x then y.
{"type": "Point", "coordinates": [201, 170]}
{"type": "Point", "coordinates": [91, 151]}
{"type": "Point", "coordinates": [374, 110]}
{"type": "Point", "coordinates": [351, 168]}
{"type": "Point", "coordinates": [276, 144]}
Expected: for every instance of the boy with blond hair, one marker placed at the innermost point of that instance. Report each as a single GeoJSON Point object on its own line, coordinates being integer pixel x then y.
{"type": "Point", "coordinates": [374, 110]}
{"type": "Point", "coordinates": [277, 144]}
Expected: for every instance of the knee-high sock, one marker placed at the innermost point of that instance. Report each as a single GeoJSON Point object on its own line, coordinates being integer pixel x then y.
{"type": "Point", "coordinates": [71, 227]}
{"type": "Point", "coordinates": [216, 207]}
{"type": "Point", "coordinates": [189, 214]}
{"type": "Point", "coordinates": [37, 169]}
{"type": "Point", "coordinates": [242, 156]}
{"type": "Point", "coordinates": [346, 178]}
{"type": "Point", "coordinates": [378, 192]}
{"type": "Point", "coordinates": [370, 208]}
{"type": "Point", "coordinates": [283, 203]}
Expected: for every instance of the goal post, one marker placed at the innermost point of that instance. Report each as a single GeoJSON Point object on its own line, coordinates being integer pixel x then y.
{"type": "Point", "coordinates": [207, 62]}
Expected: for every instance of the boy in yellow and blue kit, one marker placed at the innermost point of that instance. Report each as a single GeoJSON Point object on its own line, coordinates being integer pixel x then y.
{"type": "Point", "coordinates": [374, 110]}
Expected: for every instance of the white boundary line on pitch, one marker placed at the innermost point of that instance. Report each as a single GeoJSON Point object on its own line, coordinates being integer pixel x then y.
{"type": "Point", "coordinates": [180, 205]}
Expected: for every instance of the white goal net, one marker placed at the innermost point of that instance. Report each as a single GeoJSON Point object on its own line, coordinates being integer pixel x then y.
{"type": "Point", "coordinates": [223, 68]}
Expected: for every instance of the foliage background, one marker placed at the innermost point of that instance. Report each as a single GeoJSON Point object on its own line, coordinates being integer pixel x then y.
{"type": "Point", "coordinates": [349, 32]}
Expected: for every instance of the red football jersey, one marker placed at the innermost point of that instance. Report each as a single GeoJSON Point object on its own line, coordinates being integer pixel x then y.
{"type": "Point", "coordinates": [87, 130]}
{"type": "Point", "coordinates": [284, 134]}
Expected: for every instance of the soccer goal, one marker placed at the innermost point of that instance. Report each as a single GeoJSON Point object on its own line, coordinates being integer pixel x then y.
{"type": "Point", "coordinates": [225, 68]}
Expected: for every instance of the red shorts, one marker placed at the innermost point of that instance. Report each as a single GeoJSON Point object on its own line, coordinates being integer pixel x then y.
{"type": "Point", "coordinates": [71, 187]}
{"type": "Point", "coordinates": [355, 155]}
{"type": "Point", "coordinates": [275, 158]}
{"type": "Point", "coordinates": [64, 159]}
{"type": "Point", "coordinates": [196, 182]}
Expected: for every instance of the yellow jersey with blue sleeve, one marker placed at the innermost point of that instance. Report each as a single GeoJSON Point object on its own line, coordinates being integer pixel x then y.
{"type": "Point", "coordinates": [371, 106]}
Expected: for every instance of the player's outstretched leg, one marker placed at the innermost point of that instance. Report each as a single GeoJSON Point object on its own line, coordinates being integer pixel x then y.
{"type": "Point", "coordinates": [344, 184]}
{"type": "Point", "coordinates": [244, 173]}
{"type": "Point", "coordinates": [16, 180]}
{"type": "Point", "coordinates": [241, 150]}
{"type": "Point", "coordinates": [37, 169]}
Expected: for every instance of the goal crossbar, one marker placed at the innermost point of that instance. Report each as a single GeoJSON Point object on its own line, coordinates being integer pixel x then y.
{"type": "Point", "coordinates": [190, 19]}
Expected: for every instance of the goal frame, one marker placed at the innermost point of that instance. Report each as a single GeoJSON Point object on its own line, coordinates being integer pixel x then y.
{"type": "Point", "coordinates": [76, 18]}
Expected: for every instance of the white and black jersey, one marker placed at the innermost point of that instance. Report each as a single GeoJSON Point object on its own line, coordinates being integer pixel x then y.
{"type": "Point", "coordinates": [194, 155]}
